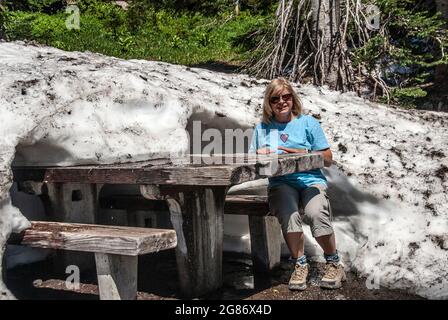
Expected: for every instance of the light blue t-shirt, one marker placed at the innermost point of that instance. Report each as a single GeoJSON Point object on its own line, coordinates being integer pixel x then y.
{"type": "Point", "coordinates": [304, 132]}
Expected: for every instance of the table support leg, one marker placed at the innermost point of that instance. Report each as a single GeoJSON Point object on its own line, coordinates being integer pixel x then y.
{"type": "Point", "coordinates": [198, 218]}
{"type": "Point", "coordinates": [72, 202]}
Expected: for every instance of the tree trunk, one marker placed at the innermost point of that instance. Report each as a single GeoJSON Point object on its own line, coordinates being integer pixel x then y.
{"type": "Point", "coordinates": [2, 36]}
{"type": "Point", "coordinates": [309, 43]}
{"type": "Point", "coordinates": [326, 21]}
{"type": "Point", "coordinates": [441, 74]}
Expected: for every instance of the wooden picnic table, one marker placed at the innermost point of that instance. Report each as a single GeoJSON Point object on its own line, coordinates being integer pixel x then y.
{"type": "Point", "coordinates": [194, 187]}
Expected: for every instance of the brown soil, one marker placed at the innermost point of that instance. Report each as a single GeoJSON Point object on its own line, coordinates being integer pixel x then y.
{"type": "Point", "coordinates": [158, 281]}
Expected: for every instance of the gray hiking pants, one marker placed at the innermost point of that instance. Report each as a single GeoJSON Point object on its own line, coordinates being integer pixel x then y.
{"type": "Point", "coordinates": [310, 205]}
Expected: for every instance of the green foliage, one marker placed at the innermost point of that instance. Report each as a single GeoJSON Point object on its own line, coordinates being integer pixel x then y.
{"type": "Point", "coordinates": [205, 7]}
{"type": "Point", "coordinates": [18, 25]}
{"type": "Point", "coordinates": [111, 15]}
{"type": "Point", "coordinates": [34, 5]}
{"type": "Point", "coordinates": [407, 97]}
{"type": "Point", "coordinates": [2, 21]}
{"type": "Point", "coordinates": [181, 37]}
{"type": "Point", "coordinates": [369, 54]}
{"type": "Point", "coordinates": [192, 32]}
{"type": "Point", "coordinates": [193, 38]}
{"type": "Point", "coordinates": [259, 5]}
{"type": "Point", "coordinates": [411, 47]}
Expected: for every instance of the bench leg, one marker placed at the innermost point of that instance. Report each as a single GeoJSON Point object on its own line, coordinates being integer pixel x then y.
{"type": "Point", "coordinates": [198, 218]}
{"type": "Point", "coordinates": [265, 242]}
{"type": "Point", "coordinates": [117, 276]}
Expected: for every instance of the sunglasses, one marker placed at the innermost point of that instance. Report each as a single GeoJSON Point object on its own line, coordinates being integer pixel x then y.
{"type": "Point", "coordinates": [285, 97]}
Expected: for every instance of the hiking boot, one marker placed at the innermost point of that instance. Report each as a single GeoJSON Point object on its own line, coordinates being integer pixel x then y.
{"type": "Point", "coordinates": [298, 277]}
{"type": "Point", "coordinates": [334, 276]}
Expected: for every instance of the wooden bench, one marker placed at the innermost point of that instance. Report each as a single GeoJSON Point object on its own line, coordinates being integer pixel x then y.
{"type": "Point", "coordinates": [265, 232]}
{"type": "Point", "coordinates": [116, 250]}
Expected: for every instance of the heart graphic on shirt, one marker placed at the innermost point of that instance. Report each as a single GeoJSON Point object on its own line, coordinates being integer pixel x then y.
{"type": "Point", "coordinates": [284, 137]}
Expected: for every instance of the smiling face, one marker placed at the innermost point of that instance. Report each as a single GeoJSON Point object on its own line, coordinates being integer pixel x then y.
{"type": "Point", "coordinates": [281, 103]}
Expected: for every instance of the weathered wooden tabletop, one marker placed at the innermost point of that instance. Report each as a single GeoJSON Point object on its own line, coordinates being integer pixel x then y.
{"type": "Point", "coordinates": [219, 170]}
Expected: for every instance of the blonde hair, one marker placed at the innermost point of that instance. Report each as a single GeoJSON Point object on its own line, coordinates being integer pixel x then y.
{"type": "Point", "coordinates": [276, 84]}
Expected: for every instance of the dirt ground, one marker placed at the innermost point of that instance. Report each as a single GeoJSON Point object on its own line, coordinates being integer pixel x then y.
{"type": "Point", "coordinates": [158, 281]}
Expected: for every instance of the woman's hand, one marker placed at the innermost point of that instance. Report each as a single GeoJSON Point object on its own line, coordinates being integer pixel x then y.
{"type": "Point", "coordinates": [328, 157]}
{"type": "Point", "coordinates": [291, 150]}
{"type": "Point", "coordinates": [265, 151]}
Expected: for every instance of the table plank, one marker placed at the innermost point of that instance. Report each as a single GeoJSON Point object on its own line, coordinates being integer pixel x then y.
{"type": "Point", "coordinates": [178, 171]}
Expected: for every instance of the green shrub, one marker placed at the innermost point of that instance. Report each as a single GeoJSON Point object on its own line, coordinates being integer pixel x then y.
{"type": "Point", "coordinates": [205, 7]}
{"type": "Point", "coordinates": [407, 97]}
{"type": "Point", "coordinates": [35, 5]}
{"type": "Point", "coordinates": [180, 37]}
{"type": "Point", "coordinates": [415, 39]}
{"type": "Point", "coordinates": [18, 25]}
{"type": "Point", "coordinates": [110, 15]}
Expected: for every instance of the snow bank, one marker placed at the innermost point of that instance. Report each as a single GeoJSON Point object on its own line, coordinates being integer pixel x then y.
{"type": "Point", "coordinates": [388, 190]}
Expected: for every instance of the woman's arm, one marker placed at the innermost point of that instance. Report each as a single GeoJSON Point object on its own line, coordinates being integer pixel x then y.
{"type": "Point", "coordinates": [328, 157]}
{"type": "Point", "coordinates": [327, 154]}
{"type": "Point", "coordinates": [291, 150]}
{"type": "Point", "coordinates": [265, 151]}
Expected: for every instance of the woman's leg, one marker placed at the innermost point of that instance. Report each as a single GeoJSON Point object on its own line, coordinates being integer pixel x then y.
{"type": "Point", "coordinates": [327, 243]}
{"type": "Point", "coordinates": [296, 244]}
{"type": "Point", "coordinates": [318, 213]}
{"type": "Point", "coordinates": [284, 204]}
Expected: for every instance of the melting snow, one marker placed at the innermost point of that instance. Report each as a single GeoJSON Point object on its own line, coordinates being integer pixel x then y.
{"type": "Point", "coordinates": [388, 189]}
